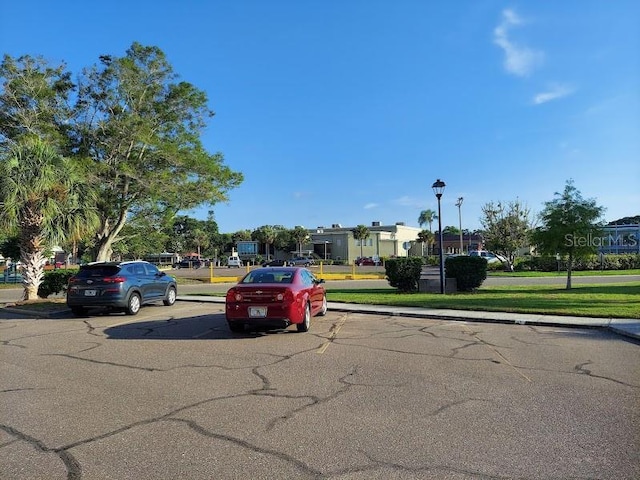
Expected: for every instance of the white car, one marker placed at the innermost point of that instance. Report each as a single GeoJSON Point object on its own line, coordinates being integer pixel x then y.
{"type": "Point", "coordinates": [489, 256]}
{"type": "Point", "coordinates": [234, 261]}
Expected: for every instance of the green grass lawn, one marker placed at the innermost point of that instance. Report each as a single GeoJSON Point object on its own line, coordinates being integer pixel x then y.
{"type": "Point", "coordinates": [563, 273]}
{"type": "Point", "coordinates": [605, 300]}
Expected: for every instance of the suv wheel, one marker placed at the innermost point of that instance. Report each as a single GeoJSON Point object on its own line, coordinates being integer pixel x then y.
{"type": "Point", "coordinates": [170, 298]}
{"type": "Point", "coordinates": [133, 305]}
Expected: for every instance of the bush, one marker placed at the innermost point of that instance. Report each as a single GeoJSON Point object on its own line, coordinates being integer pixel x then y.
{"type": "Point", "coordinates": [590, 262]}
{"type": "Point", "coordinates": [469, 272]}
{"type": "Point", "coordinates": [404, 273]}
{"type": "Point", "coordinates": [54, 281]}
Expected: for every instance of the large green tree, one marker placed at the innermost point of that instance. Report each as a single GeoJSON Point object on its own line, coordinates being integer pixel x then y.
{"type": "Point", "coordinates": [569, 223]}
{"type": "Point", "coordinates": [141, 128]}
{"type": "Point", "coordinates": [44, 200]}
{"type": "Point", "coordinates": [34, 100]}
{"type": "Point", "coordinates": [507, 227]}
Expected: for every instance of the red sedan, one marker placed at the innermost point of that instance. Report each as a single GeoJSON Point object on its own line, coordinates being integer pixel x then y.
{"type": "Point", "coordinates": [275, 297]}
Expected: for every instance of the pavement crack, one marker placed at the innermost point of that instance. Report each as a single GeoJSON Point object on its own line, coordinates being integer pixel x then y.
{"type": "Point", "coordinates": [99, 362]}
{"type": "Point", "coordinates": [301, 466]}
{"type": "Point", "coordinates": [314, 400]}
{"type": "Point", "coordinates": [581, 370]}
{"type": "Point", "coordinates": [74, 470]}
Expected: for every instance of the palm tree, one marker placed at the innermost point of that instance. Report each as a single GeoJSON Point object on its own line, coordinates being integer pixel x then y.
{"type": "Point", "coordinates": [266, 234]}
{"type": "Point", "coordinates": [45, 200]}
{"type": "Point", "coordinates": [427, 216]}
{"type": "Point", "coordinates": [300, 235]}
{"type": "Point", "coordinates": [361, 233]}
{"type": "Point", "coordinates": [425, 236]}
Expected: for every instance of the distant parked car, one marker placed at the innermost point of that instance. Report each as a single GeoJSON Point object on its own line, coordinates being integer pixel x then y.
{"type": "Point", "coordinates": [124, 286]}
{"type": "Point", "coordinates": [489, 256]}
{"type": "Point", "coordinates": [190, 263]}
{"type": "Point", "coordinates": [275, 297]}
{"type": "Point", "coordinates": [234, 261]}
{"type": "Point", "coordinates": [360, 261]}
{"type": "Point", "coordinates": [275, 263]}
{"type": "Point", "coordinates": [301, 261]}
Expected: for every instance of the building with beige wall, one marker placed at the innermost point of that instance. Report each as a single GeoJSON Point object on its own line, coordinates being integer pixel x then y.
{"type": "Point", "coordinates": [338, 243]}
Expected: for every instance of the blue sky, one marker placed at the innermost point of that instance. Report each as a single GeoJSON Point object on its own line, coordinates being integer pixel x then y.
{"type": "Point", "coordinates": [347, 111]}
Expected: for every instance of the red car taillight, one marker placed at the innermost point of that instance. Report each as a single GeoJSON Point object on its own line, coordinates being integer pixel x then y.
{"type": "Point", "coordinates": [113, 280]}
{"type": "Point", "coordinates": [234, 296]}
{"type": "Point", "coordinates": [286, 296]}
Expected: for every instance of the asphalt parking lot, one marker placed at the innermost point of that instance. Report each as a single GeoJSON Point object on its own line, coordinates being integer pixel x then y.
{"type": "Point", "coordinates": [171, 393]}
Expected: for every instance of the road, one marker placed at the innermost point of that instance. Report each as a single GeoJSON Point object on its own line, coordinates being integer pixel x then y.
{"type": "Point", "coordinates": [172, 393]}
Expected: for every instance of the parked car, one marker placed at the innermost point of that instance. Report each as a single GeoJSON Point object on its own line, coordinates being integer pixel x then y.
{"type": "Point", "coordinates": [275, 263]}
{"type": "Point", "coordinates": [275, 297]}
{"type": "Point", "coordinates": [368, 261]}
{"type": "Point", "coordinates": [234, 261]}
{"type": "Point", "coordinates": [190, 263]}
{"type": "Point", "coordinates": [124, 286]}
{"type": "Point", "coordinates": [304, 261]}
{"type": "Point", "coordinates": [489, 256]}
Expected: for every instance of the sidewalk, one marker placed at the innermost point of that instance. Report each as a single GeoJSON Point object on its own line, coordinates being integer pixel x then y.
{"type": "Point", "coordinates": [628, 327]}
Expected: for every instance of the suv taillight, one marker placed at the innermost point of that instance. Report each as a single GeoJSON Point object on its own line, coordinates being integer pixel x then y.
{"type": "Point", "coordinates": [114, 280]}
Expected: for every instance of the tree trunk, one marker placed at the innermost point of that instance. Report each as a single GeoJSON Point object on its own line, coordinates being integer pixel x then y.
{"type": "Point", "coordinates": [104, 250]}
{"type": "Point", "coordinates": [569, 266]}
{"type": "Point", "coordinates": [32, 273]}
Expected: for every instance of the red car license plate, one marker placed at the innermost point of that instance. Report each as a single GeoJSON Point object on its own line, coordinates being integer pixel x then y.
{"type": "Point", "coordinates": [257, 312]}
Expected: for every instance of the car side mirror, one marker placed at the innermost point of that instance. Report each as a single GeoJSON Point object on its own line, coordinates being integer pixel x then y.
{"type": "Point", "coordinates": [319, 280]}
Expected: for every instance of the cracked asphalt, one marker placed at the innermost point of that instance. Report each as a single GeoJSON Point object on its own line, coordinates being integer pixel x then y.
{"type": "Point", "coordinates": [171, 393]}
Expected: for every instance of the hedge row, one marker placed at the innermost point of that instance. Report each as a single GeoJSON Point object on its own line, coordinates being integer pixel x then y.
{"type": "Point", "coordinates": [592, 262]}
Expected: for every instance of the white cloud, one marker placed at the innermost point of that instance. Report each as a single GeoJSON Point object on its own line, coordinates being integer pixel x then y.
{"type": "Point", "coordinates": [407, 201]}
{"type": "Point", "coordinates": [369, 206]}
{"type": "Point", "coordinates": [554, 93]}
{"type": "Point", "coordinates": [518, 60]}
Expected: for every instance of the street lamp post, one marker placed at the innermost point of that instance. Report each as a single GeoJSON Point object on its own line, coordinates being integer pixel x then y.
{"type": "Point", "coordinates": [459, 204]}
{"type": "Point", "coordinates": [438, 189]}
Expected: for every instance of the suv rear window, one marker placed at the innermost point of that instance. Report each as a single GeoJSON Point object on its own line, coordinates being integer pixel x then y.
{"type": "Point", "coordinates": [98, 271]}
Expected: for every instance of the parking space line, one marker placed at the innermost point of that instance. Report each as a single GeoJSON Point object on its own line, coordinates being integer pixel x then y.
{"type": "Point", "coordinates": [334, 333]}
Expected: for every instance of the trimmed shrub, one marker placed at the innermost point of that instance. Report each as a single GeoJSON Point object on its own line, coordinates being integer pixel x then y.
{"type": "Point", "coordinates": [55, 281]}
{"type": "Point", "coordinates": [404, 273]}
{"type": "Point", "coordinates": [590, 262]}
{"type": "Point", "coordinates": [469, 272]}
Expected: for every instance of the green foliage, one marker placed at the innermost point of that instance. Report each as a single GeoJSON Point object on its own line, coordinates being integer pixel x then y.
{"type": "Point", "coordinates": [507, 228]}
{"type": "Point", "coordinates": [588, 262]}
{"type": "Point", "coordinates": [566, 222]}
{"type": "Point", "coordinates": [469, 272]}
{"type": "Point", "coordinates": [404, 273]}
{"type": "Point", "coordinates": [361, 233]}
{"type": "Point", "coordinates": [10, 248]}
{"type": "Point", "coordinates": [141, 128]}
{"type": "Point", "coordinates": [54, 282]}
{"type": "Point", "coordinates": [427, 216]}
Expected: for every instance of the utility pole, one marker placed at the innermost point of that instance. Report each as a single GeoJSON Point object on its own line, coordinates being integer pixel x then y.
{"type": "Point", "coordinates": [459, 204]}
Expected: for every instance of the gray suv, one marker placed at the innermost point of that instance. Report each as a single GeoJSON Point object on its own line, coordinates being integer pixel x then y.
{"type": "Point", "coordinates": [124, 286]}
{"type": "Point", "coordinates": [301, 261]}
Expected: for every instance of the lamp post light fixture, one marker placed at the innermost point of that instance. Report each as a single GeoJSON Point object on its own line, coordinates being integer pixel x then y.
{"type": "Point", "coordinates": [438, 189]}
{"type": "Point", "coordinates": [459, 204]}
